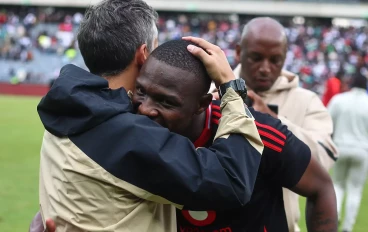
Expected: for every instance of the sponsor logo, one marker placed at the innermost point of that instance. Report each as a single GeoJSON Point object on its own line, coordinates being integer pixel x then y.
{"type": "Point", "coordinates": [199, 218]}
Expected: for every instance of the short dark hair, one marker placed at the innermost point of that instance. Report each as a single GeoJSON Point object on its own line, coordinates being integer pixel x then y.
{"type": "Point", "coordinates": [359, 80]}
{"type": "Point", "coordinates": [175, 54]}
{"type": "Point", "coordinates": [112, 31]}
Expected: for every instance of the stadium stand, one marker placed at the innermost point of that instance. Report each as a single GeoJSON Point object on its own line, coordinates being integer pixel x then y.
{"type": "Point", "coordinates": [31, 37]}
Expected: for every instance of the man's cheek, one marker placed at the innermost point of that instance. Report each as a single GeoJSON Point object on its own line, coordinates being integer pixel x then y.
{"type": "Point", "coordinates": [177, 124]}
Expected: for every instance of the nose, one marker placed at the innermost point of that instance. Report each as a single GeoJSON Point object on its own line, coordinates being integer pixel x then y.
{"type": "Point", "coordinates": [265, 67]}
{"type": "Point", "coordinates": [147, 107]}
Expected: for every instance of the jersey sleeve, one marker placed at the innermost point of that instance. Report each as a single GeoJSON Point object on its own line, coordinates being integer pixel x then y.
{"type": "Point", "coordinates": [285, 157]}
{"type": "Point", "coordinates": [294, 160]}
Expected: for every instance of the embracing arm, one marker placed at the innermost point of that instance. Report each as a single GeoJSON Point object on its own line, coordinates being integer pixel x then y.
{"type": "Point", "coordinates": [157, 165]}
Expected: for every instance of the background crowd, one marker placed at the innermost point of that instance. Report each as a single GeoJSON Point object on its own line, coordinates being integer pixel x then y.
{"type": "Point", "coordinates": [36, 42]}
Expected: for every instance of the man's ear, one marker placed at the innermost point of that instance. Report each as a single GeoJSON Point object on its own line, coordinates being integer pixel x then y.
{"type": "Point", "coordinates": [204, 102]}
{"type": "Point", "coordinates": [141, 54]}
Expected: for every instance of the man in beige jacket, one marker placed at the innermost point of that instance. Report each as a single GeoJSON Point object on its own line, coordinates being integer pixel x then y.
{"type": "Point", "coordinates": [261, 53]}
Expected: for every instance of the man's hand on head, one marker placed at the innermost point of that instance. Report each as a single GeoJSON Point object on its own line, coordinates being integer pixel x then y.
{"type": "Point", "coordinates": [259, 104]}
{"type": "Point", "coordinates": [214, 60]}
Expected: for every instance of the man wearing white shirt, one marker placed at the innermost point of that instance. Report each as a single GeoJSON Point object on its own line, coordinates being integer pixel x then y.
{"type": "Point", "coordinates": [349, 112]}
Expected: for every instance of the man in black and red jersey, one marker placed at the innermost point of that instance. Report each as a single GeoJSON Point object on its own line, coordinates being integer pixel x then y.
{"type": "Point", "coordinates": [168, 93]}
{"type": "Point", "coordinates": [172, 90]}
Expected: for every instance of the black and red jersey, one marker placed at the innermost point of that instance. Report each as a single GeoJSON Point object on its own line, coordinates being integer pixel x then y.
{"type": "Point", "coordinates": [284, 161]}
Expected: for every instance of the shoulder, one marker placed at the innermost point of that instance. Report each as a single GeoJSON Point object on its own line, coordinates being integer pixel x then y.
{"type": "Point", "coordinates": [272, 132]}
{"type": "Point", "coordinates": [285, 157]}
{"type": "Point", "coordinates": [338, 98]}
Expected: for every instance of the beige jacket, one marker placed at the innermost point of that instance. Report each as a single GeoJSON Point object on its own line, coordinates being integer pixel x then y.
{"type": "Point", "coordinates": [306, 116]}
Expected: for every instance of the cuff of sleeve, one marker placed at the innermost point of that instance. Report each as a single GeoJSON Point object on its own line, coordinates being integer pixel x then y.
{"type": "Point", "coordinates": [235, 120]}
{"type": "Point", "coordinates": [232, 103]}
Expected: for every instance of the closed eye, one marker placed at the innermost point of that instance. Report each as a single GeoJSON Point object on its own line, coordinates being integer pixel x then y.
{"type": "Point", "coordinates": [139, 90]}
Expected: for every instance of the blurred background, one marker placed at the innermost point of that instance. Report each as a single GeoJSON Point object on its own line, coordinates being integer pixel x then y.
{"type": "Point", "coordinates": [38, 37]}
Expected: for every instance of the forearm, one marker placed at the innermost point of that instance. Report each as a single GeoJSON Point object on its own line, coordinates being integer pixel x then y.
{"type": "Point", "coordinates": [316, 185]}
{"type": "Point", "coordinates": [321, 213]}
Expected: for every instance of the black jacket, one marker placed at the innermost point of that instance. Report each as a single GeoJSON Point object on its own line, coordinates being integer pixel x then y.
{"type": "Point", "coordinates": [100, 122]}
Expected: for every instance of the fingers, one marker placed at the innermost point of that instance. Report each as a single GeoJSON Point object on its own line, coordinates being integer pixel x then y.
{"type": "Point", "coordinates": [203, 44]}
{"type": "Point", "coordinates": [199, 52]}
{"type": "Point", "coordinates": [50, 225]}
{"type": "Point", "coordinates": [216, 95]}
{"type": "Point", "coordinates": [213, 58]}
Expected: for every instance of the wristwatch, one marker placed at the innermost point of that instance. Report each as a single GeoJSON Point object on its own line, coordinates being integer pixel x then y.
{"type": "Point", "coordinates": [237, 85]}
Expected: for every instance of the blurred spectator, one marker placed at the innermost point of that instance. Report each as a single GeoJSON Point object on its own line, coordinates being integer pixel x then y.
{"type": "Point", "coordinates": [316, 52]}
{"type": "Point", "coordinates": [349, 113]}
{"type": "Point", "coordinates": [37, 41]}
{"type": "Point", "coordinates": [333, 87]}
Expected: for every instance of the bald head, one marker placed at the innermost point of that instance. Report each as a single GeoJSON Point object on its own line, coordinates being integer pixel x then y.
{"type": "Point", "coordinates": [262, 53]}
{"type": "Point", "coordinates": [264, 28]}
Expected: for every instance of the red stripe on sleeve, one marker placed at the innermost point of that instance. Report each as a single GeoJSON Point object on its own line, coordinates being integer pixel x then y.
{"type": "Point", "coordinates": [271, 129]}
{"type": "Point", "coordinates": [271, 146]}
{"type": "Point", "coordinates": [217, 114]}
{"type": "Point", "coordinates": [216, 107]}
{"type": "Point", "coordinates": [273, 138]}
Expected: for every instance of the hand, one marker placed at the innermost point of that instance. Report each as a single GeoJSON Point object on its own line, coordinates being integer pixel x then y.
{"type": "Point", "coordinates": [259, 104]}
{"type": "Point", "coordinates": [215, 94]}
{"type": "Point", "coordinates": [37, 225]}
{"type": "Point", "coordinates": [50, 225]}
{"type": "Point", "coordinates": [213, 58]}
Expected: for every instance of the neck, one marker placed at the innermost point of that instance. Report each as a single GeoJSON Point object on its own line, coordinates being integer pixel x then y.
{"type": "Point", "coordinates": [125, 79]}
{"type": "Point", "coordinates": [197, 126]}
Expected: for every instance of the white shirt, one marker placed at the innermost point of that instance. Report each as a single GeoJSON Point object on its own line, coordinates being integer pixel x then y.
{"type": "Point", "coordinates": [349, 113]}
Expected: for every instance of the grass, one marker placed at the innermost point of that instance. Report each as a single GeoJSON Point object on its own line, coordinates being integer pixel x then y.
{"type": "Point", "coordinates": [20, 139]}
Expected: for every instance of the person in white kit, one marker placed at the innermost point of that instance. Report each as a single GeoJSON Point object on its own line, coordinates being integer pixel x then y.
{"type": "Point", "coordinates": [349, 112]}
